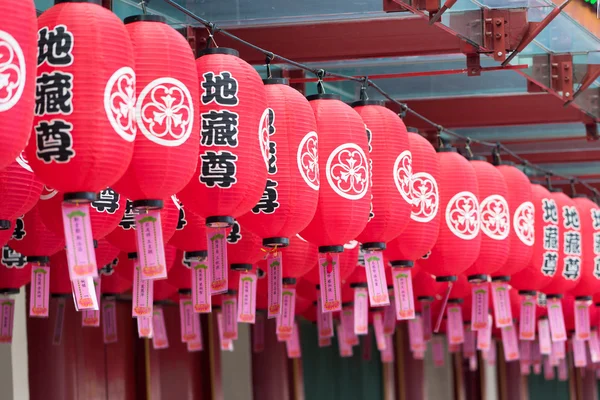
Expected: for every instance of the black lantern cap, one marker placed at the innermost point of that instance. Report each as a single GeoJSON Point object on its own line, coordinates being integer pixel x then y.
{"type": "Point", "coordinates": [218, 50]}
{"type": "Point", "coordinates": [323, 96]}
{"type": "Point", "coordinates": [331, 249]}
{"type": "Point", "coordinates": [360, 103]}
{"type": "Point", "coordinates": [276, 81]}
{"type": "Point", "coordinates": [219, 222]}
{"type": "Point", "coordinates": [451, 278]}
{"type": "Point", "coordinates": [144, 17]}
{"type": "Point", "coordinates": [276, 242]}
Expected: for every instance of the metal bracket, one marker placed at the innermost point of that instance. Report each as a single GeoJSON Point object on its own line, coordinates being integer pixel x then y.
{"type": "Point", "coordinates": [494, 33]}
{"type": "Point", "coordinates": [473, 64]}
{"type": "Point", "coordinates": [392, 6]}
{"type": "Point", "coordinates": [591, 132]}
{"type": "Point", "coordinates": [561, 74]}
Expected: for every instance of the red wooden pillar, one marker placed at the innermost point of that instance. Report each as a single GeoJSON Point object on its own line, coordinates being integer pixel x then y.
{"type": "Point", "coordinates": [270, 368]}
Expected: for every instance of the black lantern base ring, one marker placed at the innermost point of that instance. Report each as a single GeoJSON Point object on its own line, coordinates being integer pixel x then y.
{"type": "Point", "coordinates": [373, 246]}
{"type": "Point", "coordinates": [196, 254]}
{"type": "Point", "coordinates": [9, 291]}
{"type": "Point", "coordinates": [402, 264]}
{"type": "Point", "coordinates": [426, 298]}
{"type": "Point", "coordinates": [79, 197]}
{"type": "Point", "coordinates": [185, 292]}
{"type": "Point", "coordinates": [240, 267]}
{"type": "Point", "coordinates": [4, 225]}
{"type": "Point", "coordinates": [554, 296]}
{"type": "Point", "coordinates": [132, 256]}
{"type": "Point", "coordinates": [527, 292]}
{"type": "Point", "coordinates": [38, 259]}
{"type": "Point", "coordinates": [347, 304]}
{"type": "Point", "coordinates": [331, 249]}
{"type": "Point", "coordinates": [219, 222]}
{"type": "Point", "coordinates": [288, 281]}
{"type": "Point", "coordinates": [60, 295]}
{"type": "Point", "coordinates": [148, 204]}
{"type": "Point", "coordinates": [359, 285]}
{"type": "Point", "coordinates": [455, 301]}
{"type": "Point", "coordinates": [503, 278]}
{"type": "Point", "coordinates": [276, 242]}
{"type": "Point", "coordinates": [451, 278]}
{"type": "Point", "coordinates": [477, 278]}
{"type": "Point", "coordinates": [583, 298]}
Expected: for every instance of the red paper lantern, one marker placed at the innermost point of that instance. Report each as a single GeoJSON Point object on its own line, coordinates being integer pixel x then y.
{"type": "Point", "coordinates": [461, 288]}
{"type": "Point", "coordinates": [290, 197]}
{"type": "Point", "coordinates": [298, 258]}
{"type": "Point", "coordinates": [306, 289]}
{"type": "Point", "coordinates": [422, 230]}
{"type": "Point", "coordinates": [18, 49]}
{"type": "Point", "coordinates": [391, 171]}
{"type": "Point", "coordinates": [83, 138]}
{"type": "Point", "coordinates": [232, 170]}
{"type": "Point", "coordinates": [163, 290]}
{"type": "Point", "coordinates": [425, 286]}
{"type": "Point", "coordinates": [180, 275]}
{"type": "Point", "coordinates": [522, 219]}
{"type": "Point", "coordinates": [357, 277]}
{"type": "Point", "coordinates": [302, 305]}
{"type": "Point", "coordinates": [6, 234]}
{"type": "Point", "coordinates": [544, 261]}
{"type": "Point", "coordinates": [123, 236]}
{"type": "Point", "coordinates": [494, 221]}
{"type": "Point", "coordinates": [113, 282]}
{"type": "Point", "coordinates": [105, 252]}
{"type": "Point", "coordinates": [190, 234]}
{"type": "Point", "coordinates": [262, 294]}
{"type": "Point", "coordinates": [589, 213]}
{"type": "Point", "coordinates": [32, 239]}
{"type": "Point", "coordinates": [345, 193]}
{"type": "Point", "coordinates": [458, 243]}
{"type": "Point", "coordinates": [347, 295]}
{"type": "Point", "coordinates": [244, 250]}
{"type": "Point", "coordinates": [166, 146]}
{"type": "Point", "coordinates": [15, 271]}
{"type": "Point", "coordinates": [568, 271]}
{"type": "Point", "coordinates": [310, 314]}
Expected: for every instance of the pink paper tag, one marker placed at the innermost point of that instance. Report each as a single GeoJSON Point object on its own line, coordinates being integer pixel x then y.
{"type": "Point", "coordinates": [501, 300]}
{"type": "Point", "coordinates": [479, 311]}
{"type": "Point", "coordinates": [59, 322]}
{"type": "Point", "coordinates": [379, 335]}
{"type": "Point", "coordinates": [491, 354]}
{"type": "Point", "coordinates": [484, 336]}
{"type": "Point", "coordinates": [579, 357]}
{"type": "Point", "coordinates": [150, 246]}
{"type": "Point", "coordinates": [563, 374]}
{"type": "Point", "coordinates": [160, 340]}
{"type": "Point", "coordinates": [293, 344]}
{"type": "Point", "coordinates": [217, 259]}
{"type": "Point", "coordinates": [403, 293]}
{"type": "Point", "coordinates": [426, 318]}
{"type": "Point", "coordinates": [79, 241]}
{"type": "Point", "coordinates": [389, 319]}
{"type": "Point", "coordinates": [285, 321]}
{"type": "Point", "coordinates": [415, 334]}
{"type": "Point", "coordinates": [365, 343]}
{"type": "Point", "coordinates": [378, 291]}
{"type": "Point", "coordinates": [344, 348]}
{"type": "Point", "coordinates": [7, 315]}
{"type": "Point", "coordinates": [556, 319]}
{"type": "Point", "coordinates": [143, 294]}
{"type": "Point", "coordinates": [325, 342]}
{"type": "Point", "coordinates": [440, 317]}
{"type": "Point", "coordinates": [230, 326]}
{"type": "Point", "coordinates": [109, 320]}
{"type": "Point", "coordinates": [456, 333]}
{"type": "Point", "coordinates": [548, 369]}
{"type": "Point", "coordinates": [226, 344]}
{"type": "Point", "coordinates": [247, 298]}
{"type": "Point", "coordinates": [582, 319]}
{"type": "Point", "coordinates": [453, 348]}
{"type": "Point", "coordinates": [558, 350]}
{"type": "Point", "coordinates": [525, 367]}
{"type": "Point", "coordinates": [144, 325]}
{"type": "Point", "coordinates": [91, 318]}
{"type": "Point", "coordinates": [537, 368]}
{"type": "Point", "coordinates": [347, 317]}
{"type": "Point", "coordinates": [527, 318]}
{"type": "Point", "coordinates": [473, 363]}
{"type": "Point", "coordinates": [594, 345]}
{"type": "Point", "coordinates": [387, 355]}
{"type": "Point", "coordinates": [196, 343]}
{"type": "Point", "coordinates": [525, 353]}
{"type": "Point", "coordinates": [84, 294]}
{"type": "Point", "coordinates": [545, 343]}
{"type": "Point", "coordinates": [258, 334]}
{"type": "Point", "coordinates": [469, 344]}
{"type": "Point", "coordinates": [437, 347]}
{"type": "Point", "coordinates": [510, 344]}
{"type": "Point", "coordinates": [324, 321]}
{"type": "Point", "coordinates": [201, 292]}
{"type": "Point", "coordinates": [274, 284]}
{"type": "Point", "coordinates": [39, 295]}
{"type": "Point", "coordinates": [418, 355]}
{"type": "Point", "coordinates": [536, 356]}
{"type": "Point", "coordinates": [186, 320]}
{"type": "Point", "coordinates": [329, 274]}
{"type": "Point", "coordinates": [361, 311]}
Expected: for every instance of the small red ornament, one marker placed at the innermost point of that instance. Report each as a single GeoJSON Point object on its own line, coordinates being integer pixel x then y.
{"type": "Point", "coordinates": [589, 213]}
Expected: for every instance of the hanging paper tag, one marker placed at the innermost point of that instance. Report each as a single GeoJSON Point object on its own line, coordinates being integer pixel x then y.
{"type": "Point", "coordinates": [440, 317]}
{"type": "Point", "coordinates": [150, 246]}
{"type": "Point", "coordinates": [329, 275]}
{"type": "Point", "coordinates": [230, 327]}
{"type": "Point", "coordinates": [91, 318]}
{"type": "Point", "coordinates": [403, 293]}
{"type": "Point", "coordinates": [525, 356]}
{"type": "Point", "coordinates": [525, 367]}
{"type": "Point", "coordinates": [501, 300]}
{"type": "Point", "coordinates": [186, 320]}
{"type": "Point", "coordinates": [7, 315]}
{"type": "Point", "coordinates": [456, 334]}
{"type": "Point", "coordinates": [415, 334]}
{"type": "Point", "coordinates": [453, 348]}
{"type": "Point", "coordinates": [365, 343]}
{"type": "Point", "coordinates": [473, 363]}
{"type": "Point", "coordinates": [247, 298]}
{"type": "Point", "coordinates": [324, 321]}
{"type": "Point", "coordinates": [418, 355]}
{"type": "Point", "coordinates": [347, 317]}
{"type": "Point", "coordinates": [258, 334]}
{"type": "Point", "coordinates": [79, 241]}
{"type": "Point", "coordinates": [558, 350]}
{"type": "Point", "coordinates": [510, 344]}
{"type": "Point", "coordinates": [479, 311]}
{"type": "Point", "coordinates": [491, 354]}
{"type": "Point", "coordinates": [143, 294]}
{"type": "Point", "coordinates": [536, 356]}
{"type": "Point", "coordinates": [160, 340]}
{"type": "Point", "coordinates": [293, 344]}
{"type": "Point", "coordinates": [325, 342]}
{"type": "Point", "coordinates": [426, 318]}
{"type": "Point", "coordinates": [556, 319]}
{"type": "Point", "coordinates": [389, 319]}
{"type": "Point", "coordinates": [59, 322]}
{"type": "Point", "coordinates": [437, 347]}
{"type": "Point", "coordinates": [196, 343]}
{"type": "Point", "coordinates": [563, 374]}
{"type": "Point", "coordinates": [84, 294]}
{"type": "Point", "coordinates": [594, 344]}
{"type": "Point", "coordinates": [387, 355]}
{"type": "Point", "coordinates": [379, 335]}
{"type": "Point", "coordinates": [469, 344]}
{"type": "Point", "coordinates": [361, 311]}
{"type": "Point", "coordinates": [579, 356]}
{"type": "Point", "coordinates": [201, 292]}
{"type": "Point", "coordinates": [226, 344]}
{"type": "Point", "coordinates": [544, 336]}
{"type": "Point", "coordinates": [537, 368]}
{"type": "Point", "coordinates": [527, 318]}
{"type": "Point", "coordinates": [548, 369]}
{"type": "Point", "coordinates": [144, 325]}
{"type": "Point", "coordinates": [582, 320]}
{"type": "Point", "coordinates": [285, 321]}
{"type": "Point", "coordinates": [39, 297]}
{"type": "Point", "coordinates": [217, 259]}
{"type": "Point", "coordinates": [484, 336]}
{"type": "Point", "coordinates": [109, 320]}
{"type": "Point", "coordinates": [274, 283]}
{"type": "Point", "coordinates": [344, 348]}
{"type": "Point", "coordinates": [378, 291]}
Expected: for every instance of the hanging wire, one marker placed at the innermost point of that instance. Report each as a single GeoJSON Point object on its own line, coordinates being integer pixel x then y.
{"type": "Point", "coordinates": [366, 82]}
{"type": "Point", "coordinates": [143, 5]}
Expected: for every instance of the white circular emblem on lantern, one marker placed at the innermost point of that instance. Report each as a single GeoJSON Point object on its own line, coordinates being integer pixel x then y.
{"type": "Point", "coordinates": [22, 161]}
{"type": "Point", "coordinates": [495, 218]}
{"type": "Point", "coordinates": [263, 136]}
{"type": "Point", "coordinates": [348, 172]}
{"type": "Point", "coordinates": [403, 175]}
{"type": "Point", "coordinates": [350, 245]}
{"type": "Point", "coordinates": [12, 71]}
{"type": "Point", "coordinates": [119, 103]}
{"type": "Point", "coordinates": [425, 197]}
{"type": "Point", "coordinates": [462, 215]}
{"type": "Point", "coordinates": [165, 112]}
{"type": "Point", "coordinates": [48, 193]}
{"type": "Point", "coordinates": [308, 159]}
{"type": "Point", "coordinates": [524, 223]}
